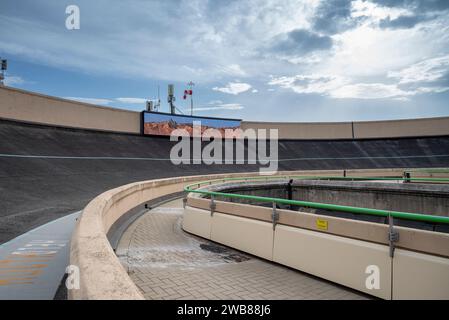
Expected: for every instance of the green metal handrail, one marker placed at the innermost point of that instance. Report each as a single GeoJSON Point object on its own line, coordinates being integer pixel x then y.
{"type": "Point", "coordinates": [325, 206]}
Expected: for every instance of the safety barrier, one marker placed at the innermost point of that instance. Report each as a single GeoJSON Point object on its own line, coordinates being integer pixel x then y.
{"type": "Point", "coordinates": [340, 250]}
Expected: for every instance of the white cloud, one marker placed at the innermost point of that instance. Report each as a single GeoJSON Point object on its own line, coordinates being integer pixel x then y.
{"type": "Point", "coordinates": [424, 71]}
{"type": "Point", "coordinates": [342, 88]}
{"type": "Point", "coordinates": [13, 80]}
{"type": "Point", "coordinates": [225, 47]}
{"type": "Point", "coordinates": [215, 102]}
{"type": "Point", "coordinates": [90, 100]}
{"type": "Point", "coordinates": [254, 91]}
{"type": "Point", "coordinates": [122, 39]}
{"type": "Point", "coordinates": [225, 106]}
{"type": "Point", "coordinates": [362, 8]}
{"type": "Point", "coordinates": [234, 88]}
{"type": "Point", "coordinates": [132, 100]}
{"type": "Point", "coordinates": [233, 70]}
{"type": "Point", "coordinates": [432, 89]}
{"type": "Point", "coordinates": [313, 83]}
{"type": "Point", "coordinates": [368, 91]}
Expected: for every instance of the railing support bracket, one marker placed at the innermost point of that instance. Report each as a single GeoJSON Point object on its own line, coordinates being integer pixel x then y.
{"type": "Point", "coordinates": [274, 216]}
{"type": "Point", "coordinates": [393, 235]}
{"type": "Point", "coordinates": [212, 206]}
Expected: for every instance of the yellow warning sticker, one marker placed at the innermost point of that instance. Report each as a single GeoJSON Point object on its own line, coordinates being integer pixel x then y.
{"type": "Point", "coordinates": [321, 224]}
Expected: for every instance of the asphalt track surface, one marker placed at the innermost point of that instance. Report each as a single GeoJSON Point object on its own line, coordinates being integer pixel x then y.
{"type": "Point", "coordinates": [49, 172]}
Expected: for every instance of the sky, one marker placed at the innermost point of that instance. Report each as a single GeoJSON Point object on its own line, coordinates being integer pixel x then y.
{"type": "Point", "coordinates": [256, 60]}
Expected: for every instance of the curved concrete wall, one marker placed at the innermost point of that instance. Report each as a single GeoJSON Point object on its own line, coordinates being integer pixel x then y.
{"type": "Point", "coordinates": [28, 106]}
{"type": "Point", "coordinates": [402, 128]}
{"type": "Point", "coordinates": [101, 274]}
{"type": "Point", "coordinates": [32, 107]}
{"type": "Point", "coordinates": [318, 130]}
{"type": "Point", "coordinates": [357, 130]}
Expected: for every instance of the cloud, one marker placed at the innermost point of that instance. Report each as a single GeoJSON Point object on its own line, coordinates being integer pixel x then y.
{"type": "Point", "coordinates": [91, 100]}
{"type": "Point", "coordinates": [421, 6]}
{"type": "Point", "coordinates": [333, 16]}
{"type": "Point", "coordinates": [402, 22]}
{"type": "Point", "coordinates": [234, 88]}
{"type": "Point", "coordinates": [428, 70]}
{"type": "Point", "coordinates": [321, 84]}
{"type": "Point", "coordinates": [132, 100]}
{"type": "Point", "coordinates": [215, 102]}
{"type": "Point", "coordinates": [300, 41]}
{"type": "Point", "coordinates": [13, 80]}
{"type": "Point", "coordinates": [233, 70]}
{"type": "Point", "coordinates": [225, 106]}
{"type": "Point", "coordinates": [393, 14]}
{"type": "Point", "coordinates": [254, 91]}
{"type": "Point", "coordinates": [368, 91]}
{"type": "Point", "coordinates": [338, 48]}
{"type": "Point", "coordinates": [374, 12]}
{"type": "Point", "coordinates": [343, 88]}
{"type": "Point", "coordinates": [121, 39]}
{"type": "Point", "coordinates": [432, 89]}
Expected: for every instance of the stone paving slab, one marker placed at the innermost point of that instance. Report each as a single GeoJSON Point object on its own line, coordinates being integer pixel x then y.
{"type": "Point", "coordinates": [167, 263]}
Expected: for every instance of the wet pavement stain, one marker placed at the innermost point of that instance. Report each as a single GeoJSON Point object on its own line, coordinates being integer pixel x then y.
{"type": "Point", "coordinates": [225, 253]}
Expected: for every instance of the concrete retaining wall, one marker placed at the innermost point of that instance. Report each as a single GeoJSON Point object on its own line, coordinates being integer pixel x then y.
{"type": "Point", "coordinates": [338, 259]}
{"type": "Point", "coordinates": [402, 128]}
{"type": "Point", "coordinates": [101, 274]}
{"type": "Point", "coordinates": [343, 260]}
{"type": "Point", "coordinates": [252, 236]}
{"type": "Point", "coordinates": [356, 130]}
{"type": "Point", "coordinates": [420, 276]}
{"type": "Point", "coordinates": [32, 107]}
{"type": "Point", "coordinates": [330, 130]}
{"type": "Point", "coordinates": [343, 251]}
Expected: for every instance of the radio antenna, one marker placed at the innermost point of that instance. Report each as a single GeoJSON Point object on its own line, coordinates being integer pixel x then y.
{"type": "Point", "coordinates": [158, 98]}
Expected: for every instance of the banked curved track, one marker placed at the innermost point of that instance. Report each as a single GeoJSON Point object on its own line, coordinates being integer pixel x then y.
{"type": "Point", "coordinates": [48, 172]}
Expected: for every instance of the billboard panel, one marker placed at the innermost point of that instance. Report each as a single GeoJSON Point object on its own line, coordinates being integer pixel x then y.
{"type": "Point", "coordinates": [163, 124]}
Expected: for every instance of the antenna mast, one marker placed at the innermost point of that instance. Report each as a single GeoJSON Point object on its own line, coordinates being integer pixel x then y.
{"type": "Point", "coordinates": [4, 66]}
{"type": "Point", "coordinates": [171, 98]}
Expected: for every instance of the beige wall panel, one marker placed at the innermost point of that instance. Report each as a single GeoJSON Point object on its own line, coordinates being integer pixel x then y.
{"type": "Point", "coordinates": [334, 258]}
{"type": "Point", "coordinates": [197, 221]}
{"type": "Point", "coordinates": [252, 236]}
{"type": "Point", "coordinates": [27, 106]}
{"type": "Point", "coordinates": [420, 276]}
{"type": "Point", "coordinates": [402, 128]}
{"type": "Point", "coordinates": [324, 130]}
{"type": "Point", "coordinates": [343, 130]}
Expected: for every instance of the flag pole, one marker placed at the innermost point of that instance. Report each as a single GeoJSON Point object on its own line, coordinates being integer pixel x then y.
{"type": "Point", "coordinates": [191, 84]}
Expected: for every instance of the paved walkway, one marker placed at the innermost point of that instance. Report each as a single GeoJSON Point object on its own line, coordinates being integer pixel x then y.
{"type": "Point", "coordinates": [33, 264]}
{"type": "Point", "coordinates": [168, 263]}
